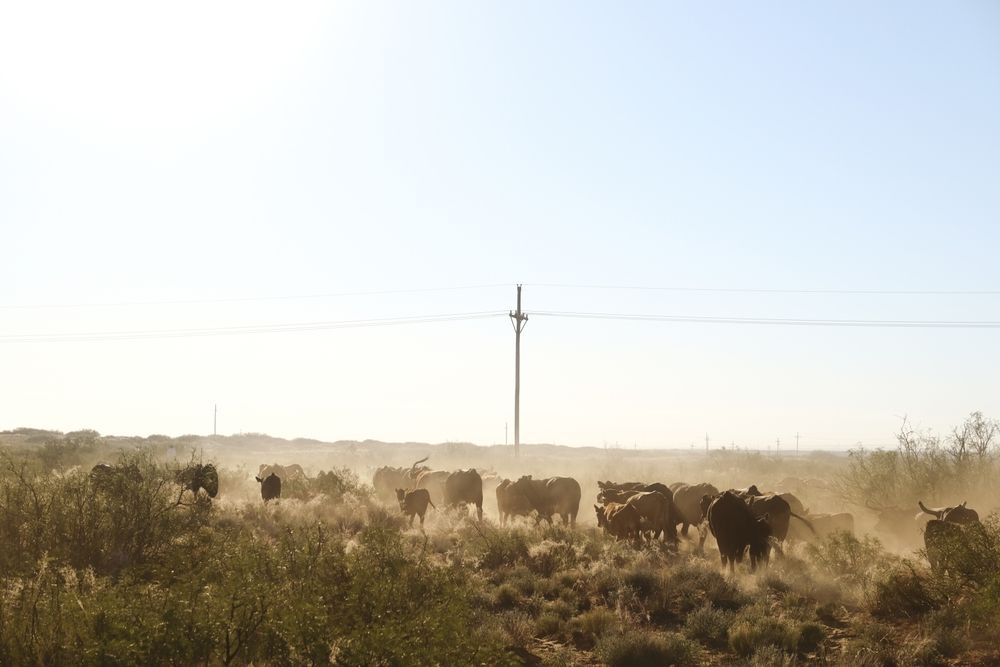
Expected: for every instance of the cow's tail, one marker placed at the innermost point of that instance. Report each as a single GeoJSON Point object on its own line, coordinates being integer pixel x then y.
{"type": "Point", "coordinates": [805, 521]}
{"type": "Point", "coordinates": [430, 502]}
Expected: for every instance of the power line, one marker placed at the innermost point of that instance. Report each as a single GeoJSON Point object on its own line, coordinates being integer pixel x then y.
{"type": "Point", "coordinates": [280, 297]}
{"type": "Point", "coordinates": [746, 290]}
{"type": "Point", "coordinates": [238, 330]}
{"type": "Point", "coordinates": [905, 324]}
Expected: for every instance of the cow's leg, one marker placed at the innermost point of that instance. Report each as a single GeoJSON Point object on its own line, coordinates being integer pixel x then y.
{"type": "Point", "coordinates": [479, 511]}
{"type": "Point", "coordinates": [684, 529]}
{"type": "Point", "coordinates": [422, 519]}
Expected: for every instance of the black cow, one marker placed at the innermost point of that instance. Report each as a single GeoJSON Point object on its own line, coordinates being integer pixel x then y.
{"type": "Point", "coordinates": [959, 514]}
{"type": "Point", "coordinates": [414, 503]}
{"type": "Point", "coordinates": [736, 529]}
{"type": "Point", "coordinates": [778, 512]}
{"type": "Point", "coordinates": [270, 487]}
{"type": "Point", "coordinates": [464, 486]}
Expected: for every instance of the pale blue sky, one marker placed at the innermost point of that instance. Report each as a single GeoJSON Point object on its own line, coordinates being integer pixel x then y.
{"type": "Point", "coordinates": [207, 150]}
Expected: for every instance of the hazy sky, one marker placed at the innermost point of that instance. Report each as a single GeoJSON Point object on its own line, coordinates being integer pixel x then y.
{"type": "Point", "coordinates": [192, 151]}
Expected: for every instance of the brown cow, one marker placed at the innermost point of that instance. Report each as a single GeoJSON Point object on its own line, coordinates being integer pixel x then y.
{"type": "Point", "coordinates": [511, 503]}
{"type": "Point", "coordinates": [414, 503]}
{"type": "Point", "coordinates": [619, 520]}
{"type": "Point", "coordinates": [656, 508]}
{"type": "Point", "coordinates": [687, 501]}
{"type": "Point", "coordinates": [433, 481]}
{"type": "Point", "coordinates": [555, 495]}
{"type": "Point", "coordinates": [656, 511]}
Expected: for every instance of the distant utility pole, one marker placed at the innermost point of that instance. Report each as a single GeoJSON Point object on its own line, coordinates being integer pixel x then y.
{"type": "Point", "coordinates": [215, 420]}
{"type": "Point", "coordinates": [796, 442]}
{"type": "Point", "coordinates": [517, 320]}
{"type": "Point", "coordinates": [706, 443]}
{"type": "Point", "coordinates": [777, 447]}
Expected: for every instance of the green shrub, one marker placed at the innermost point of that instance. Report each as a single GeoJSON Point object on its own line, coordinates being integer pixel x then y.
{"type": "Point", "coordinates": [501, 547]}
{"type": "Point", "coordinates": [560, 608]}
{"type": "Point", "coordinates": [548, 625]}
{"type": "Point", "coordinates": [549, 557]}
{"type": "Point", "coordinates": [337, 483]}
{"type": "Point", "coordinates": [645, 583]}
{"type": "Point", "coordinates": [771, 656]}
{"type": "Point", "coordinates": [591, 625]}
{"type": "Point", "coordinates": [923, 652]}
{"type": "Point", "coordinates": [970, 555]}
{"type": "Point", "coordinates": [507, 597]}
{"type": "Point", "coordinates": [517, 627]}
{"type": "Point", "coordinates": [873, 646]}
{"type": "Point", "coordinates": [648, 649]}
{"type": "Point", "coordinates": [127, 517]}
{"type": "Point", "coordinates": [755, 628]}
{"type": "Point", "coordinates": [849, 558]}
{"type": "Point", "coordinates": [689, 585]}
{"type": "Point", "coordinates": [709, 626]}
{"type": "Point", "coordinates": [811, 637]}
{"type": "Point", "coordinates": [901, 592]}
{"type": "Point", "coordinates": [772, 581]}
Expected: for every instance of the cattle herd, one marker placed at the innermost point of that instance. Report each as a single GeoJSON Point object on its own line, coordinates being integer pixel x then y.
{"type": "Point", "coordinates": [746, 523]}
{"type": "Point", "coordinates": [743, 521]}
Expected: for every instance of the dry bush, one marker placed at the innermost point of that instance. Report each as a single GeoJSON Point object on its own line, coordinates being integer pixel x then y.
{"type": "Point", "coordinates": [709, 625]}
{"type": "Point", "coordinates": [903, 592]}
{"type": "Point", "coordinates": [648, 649]}
{"type": "Point", "coordinates": [873, 646]}
{"type": "Point", "coordinates": [587, 628]}
{"type": "Point", "coordinates": [925, 465]}
{"type": "Point", "coordinates": [771, 656]}
{"type": "Point", "coordinates": [756, 627]}
{"type": "Point", "coordinates": [850, 559]}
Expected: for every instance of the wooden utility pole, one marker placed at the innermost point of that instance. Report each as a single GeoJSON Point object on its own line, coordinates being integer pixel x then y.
{"type": "Point", "coordinates": [517, 320]}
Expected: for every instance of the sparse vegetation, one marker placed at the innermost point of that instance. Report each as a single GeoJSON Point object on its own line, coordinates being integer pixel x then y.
{"type": "Point", "coordinates": [131, 569]}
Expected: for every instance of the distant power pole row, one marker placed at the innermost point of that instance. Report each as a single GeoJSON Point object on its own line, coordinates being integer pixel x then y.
{"type": "Point", "coordinates": [777, 444]}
